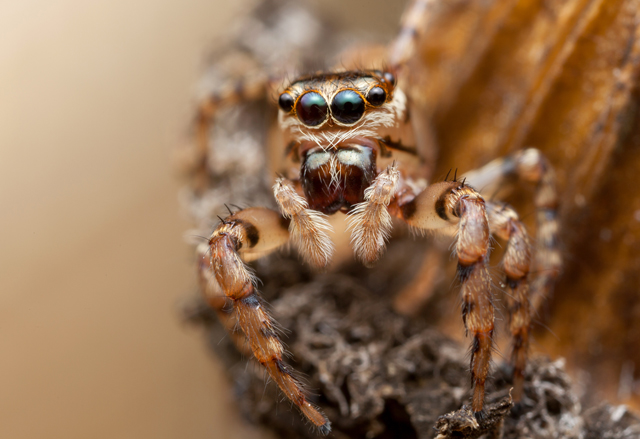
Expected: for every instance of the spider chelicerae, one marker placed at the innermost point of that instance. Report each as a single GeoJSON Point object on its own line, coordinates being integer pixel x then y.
{"type": "Point", "coordinates": [351, 155]}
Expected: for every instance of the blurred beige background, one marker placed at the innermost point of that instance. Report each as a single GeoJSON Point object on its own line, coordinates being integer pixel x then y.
{"type": "Point", "coordinates": [93, 97]}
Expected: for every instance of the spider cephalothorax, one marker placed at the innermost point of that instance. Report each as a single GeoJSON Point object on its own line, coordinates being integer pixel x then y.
{"type": "Point", "coordinates": [349, 146]}
{"type": "Point", "coordinates": [334, 123]}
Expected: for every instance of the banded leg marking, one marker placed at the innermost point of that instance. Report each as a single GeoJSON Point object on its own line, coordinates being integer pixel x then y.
{"type": "Point", "coordinates": [531, 166]}
{"type": "Point", "coordinates": [446, 204]}
{"type": "Point", "coordinates": [256, 231]}
{"type": "Point", "coordinates": [216, 299]}
{"type": "Point", "coordinates": [505, 224]}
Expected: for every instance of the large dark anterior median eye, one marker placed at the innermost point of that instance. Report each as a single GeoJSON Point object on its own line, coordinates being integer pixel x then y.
{"type": "Point", "coordinates": [347, 107]}
{"type": "Point", "coordinates": [311, 109]}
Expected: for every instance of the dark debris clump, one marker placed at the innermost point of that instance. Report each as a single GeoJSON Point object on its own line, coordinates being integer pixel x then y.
{"type": "Point", "coordinates": [380, 375]}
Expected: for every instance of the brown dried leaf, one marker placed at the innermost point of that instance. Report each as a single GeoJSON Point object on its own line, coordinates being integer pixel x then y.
{"type": "Point", "coordinates": [558, 76]}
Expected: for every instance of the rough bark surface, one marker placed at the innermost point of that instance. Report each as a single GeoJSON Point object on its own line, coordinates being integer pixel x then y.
{"type": "Point", "coordinates": [493, 77]}
{"type": "Point", "coordinates": [380, 375]}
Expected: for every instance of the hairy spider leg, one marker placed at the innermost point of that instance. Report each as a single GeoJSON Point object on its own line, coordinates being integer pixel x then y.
{"type": "Point", "coordinates": [370, 221]}
{"type": "Point", "coordinates": [453, 203]}
{"type": "Point", "coordinates": [216, 299]}
{"type": "Point", "coordinates": [505, 223]}
{"type": "Point", "coordinates": [252, 233]}
{"type": "Point", "coordinates": [531, 166]}
{"type": "Point", "coordinates": [251, 88]}
{"type": "Point", "coordinates": [308, 228]}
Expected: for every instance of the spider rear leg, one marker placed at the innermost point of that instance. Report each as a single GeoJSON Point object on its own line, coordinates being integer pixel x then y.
{"type": "Point", "coordinates": [254, 232]}
{"type": "Point", "coordinates": [251, 88]}
{"type": "Point", "coordinates": [447, 204]}
{"type": "Point", "coordinates": [531, 166]}
{"type": "Point", "coordinates": [505, 224]}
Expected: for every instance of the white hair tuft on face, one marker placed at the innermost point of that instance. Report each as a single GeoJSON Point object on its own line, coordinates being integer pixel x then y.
{"type": "Point", "coordinates": [388, 115]}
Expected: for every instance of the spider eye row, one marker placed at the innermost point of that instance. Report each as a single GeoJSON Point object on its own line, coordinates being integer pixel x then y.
{"type": "Point", "coordinates": [347, 106]}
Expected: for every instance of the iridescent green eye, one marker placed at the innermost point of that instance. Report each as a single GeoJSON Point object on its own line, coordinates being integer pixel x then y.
{"type": "Point", "coordinates": [347, 107]}
{"type": "Point", "coordinates": [312, 109]}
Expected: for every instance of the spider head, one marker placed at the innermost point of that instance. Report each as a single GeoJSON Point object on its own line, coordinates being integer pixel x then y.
{"type": "Point", "coordinates": [342, 101]}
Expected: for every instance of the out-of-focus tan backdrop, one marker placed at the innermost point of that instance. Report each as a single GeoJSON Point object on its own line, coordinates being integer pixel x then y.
{"type": "Point", "coordinates": [93, 97]}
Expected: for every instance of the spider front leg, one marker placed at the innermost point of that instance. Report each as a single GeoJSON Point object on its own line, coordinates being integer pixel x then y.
{"type": "Point", "coordinates": [308, 228]}
{"type": "Point", "coordinates": [451, 203]}
{"type": "Point", "coordinates": [252, 233]}
{"type": "Point", "coordinates": [216, 298]}
{"type": "Point", "coordinates": [370, 221]}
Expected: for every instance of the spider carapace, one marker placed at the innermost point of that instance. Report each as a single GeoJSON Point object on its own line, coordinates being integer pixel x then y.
{"type": "Point", "coordinates": [350, 146]}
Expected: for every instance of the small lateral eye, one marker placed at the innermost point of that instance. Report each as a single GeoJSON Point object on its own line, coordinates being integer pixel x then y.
{"type": "Point", "coordinates": [390, 78]}
{"type": "Point", "coordinates": [312, 109]}
{"type": "Point", "coordinates": [347, 107]}
{"type": "Point", "coordinates": [285, 101]}
{"type": "Point", "coordinates": [377, 96]}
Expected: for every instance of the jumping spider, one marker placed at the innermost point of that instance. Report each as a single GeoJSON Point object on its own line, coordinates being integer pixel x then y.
{"type": "Point", "coordinates": [352, 155]}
